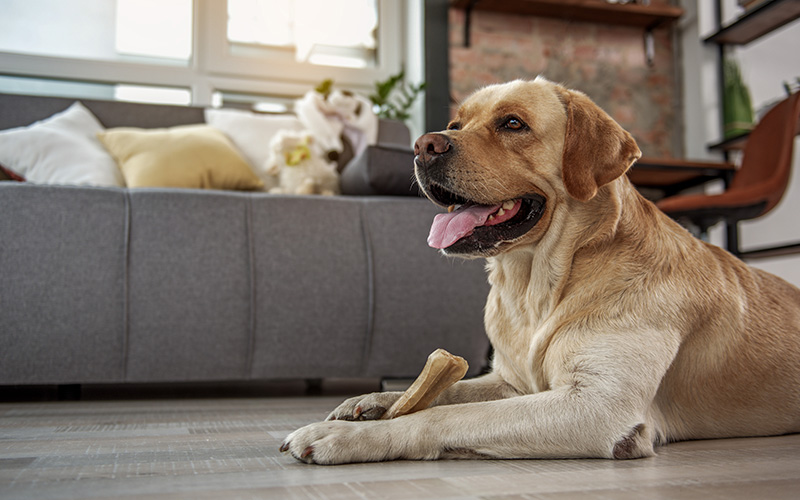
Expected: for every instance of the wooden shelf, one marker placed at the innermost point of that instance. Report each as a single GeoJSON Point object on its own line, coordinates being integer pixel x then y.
{"type": "Point", "coordinates": [757, 22]}
{"type": "Point", "coordinates": [731, 144]}
{"type": "Point", "coordinates": [766, 253]}
{"type": "Point", "coordinates": [596, 11]}
{"type": "Point", "coordinates": [673, 175]}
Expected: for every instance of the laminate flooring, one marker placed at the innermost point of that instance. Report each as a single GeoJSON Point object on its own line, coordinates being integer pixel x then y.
{"type": "Point", "coordinates": [228, 448]}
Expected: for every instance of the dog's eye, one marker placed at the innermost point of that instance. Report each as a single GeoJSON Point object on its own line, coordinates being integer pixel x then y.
{"type": "Point", "coordinates": [513, 123]}
{"type": "Point", "coordinates": [454, 126]}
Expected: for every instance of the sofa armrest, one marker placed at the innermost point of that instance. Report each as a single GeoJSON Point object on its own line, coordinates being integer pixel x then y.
{"type": "Point", "coordinates": [381, 170]}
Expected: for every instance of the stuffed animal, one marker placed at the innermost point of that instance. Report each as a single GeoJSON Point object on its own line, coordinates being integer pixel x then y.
{"type": "Point", "coordinates": [299, 168]}
{"type": "Point", "coordinates": [335, 114]}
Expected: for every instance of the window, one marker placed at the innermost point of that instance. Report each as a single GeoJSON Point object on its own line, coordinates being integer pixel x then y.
{"type": "Point", "coordinates": [198, 51]}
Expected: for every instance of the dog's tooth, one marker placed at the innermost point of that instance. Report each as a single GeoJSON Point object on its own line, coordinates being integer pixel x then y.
{"type": "Point", "coordinates": [491, 217]}
{"type": "Point", "coordinates": [508, 205]}
{"type": "Point", "coordinates": [501, 211]}
{"type": "Point", "coordinates": [451, 208]}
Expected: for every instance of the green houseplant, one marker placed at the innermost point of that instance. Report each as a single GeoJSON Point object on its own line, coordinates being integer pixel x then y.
{"type": "Point", "coordinates": [393, 97]}
{"type": "Point", "coordinates": [737, 107]}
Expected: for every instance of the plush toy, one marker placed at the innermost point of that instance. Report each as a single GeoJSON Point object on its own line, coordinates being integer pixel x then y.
{"type": "Point", "coordinates": [299, 168]}
{"type": "Point", "coordinates": [335, 114]}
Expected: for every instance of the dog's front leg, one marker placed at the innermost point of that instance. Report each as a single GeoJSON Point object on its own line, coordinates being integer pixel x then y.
{"type": "Point", "coordinates": [488, 387]}
{"type": "Point", "coordinates": [551, 424]}
{"type": "Point", "coordinates": [596, 407]}
{"type": "Point", "coordinates": [372, 406]}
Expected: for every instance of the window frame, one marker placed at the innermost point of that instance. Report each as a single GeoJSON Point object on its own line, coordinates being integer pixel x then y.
{"type": "Point", "coordinates": [213, 68]}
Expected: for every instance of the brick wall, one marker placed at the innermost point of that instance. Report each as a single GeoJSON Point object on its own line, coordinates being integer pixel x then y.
{"type": "Point", "coordinates": [606, 62]}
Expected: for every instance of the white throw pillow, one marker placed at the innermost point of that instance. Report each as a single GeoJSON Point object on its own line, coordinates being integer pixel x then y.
{"type": "Point", "coordinates": [61, 149]}
{"type": "Point", "coordinates": [251, 133]}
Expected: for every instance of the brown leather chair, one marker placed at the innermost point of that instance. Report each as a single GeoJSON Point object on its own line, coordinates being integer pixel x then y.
{"type": "Point", "coordinates": [759, 183]}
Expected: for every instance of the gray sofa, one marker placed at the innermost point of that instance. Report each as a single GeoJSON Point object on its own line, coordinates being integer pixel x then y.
{"type": "Point", "coordinates": [117, 285]}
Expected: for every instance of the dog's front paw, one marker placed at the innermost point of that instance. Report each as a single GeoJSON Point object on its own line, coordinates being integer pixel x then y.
{"type": "Point", "coordinates": [365, 407]}
{"type": "Point", "coordinates": [337, 442]}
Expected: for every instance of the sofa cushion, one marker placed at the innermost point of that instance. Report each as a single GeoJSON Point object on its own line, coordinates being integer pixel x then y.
{"type": "Point", "coordinates": [188, 156]}
{"type": "Point", "coordinates": [189, 286]}
{"type": "Point", "coordinates": [62, 284]}
{"type": "Point", "coordinates": [251, 133]}
{"type": "Point", "coordinates": [421, 301]}
{"type": "Point", "coordinates": [61, 149]}
{"type": "Point", "coordinates": [311, 288]}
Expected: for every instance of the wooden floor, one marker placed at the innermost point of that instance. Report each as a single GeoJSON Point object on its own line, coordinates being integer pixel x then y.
{"type": "Point", "coordinates": [228, 448]}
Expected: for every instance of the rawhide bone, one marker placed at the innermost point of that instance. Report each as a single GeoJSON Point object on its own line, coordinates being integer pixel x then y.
{"type": "Point", "coordinates": [440, 372]}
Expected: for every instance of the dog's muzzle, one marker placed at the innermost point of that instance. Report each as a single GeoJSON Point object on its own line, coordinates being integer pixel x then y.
{"type": "Point", "coordinates": [475, 227]}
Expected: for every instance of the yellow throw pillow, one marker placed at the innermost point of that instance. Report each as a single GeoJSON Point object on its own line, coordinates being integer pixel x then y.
{"type": "Point", "coordinates": [187, 156]}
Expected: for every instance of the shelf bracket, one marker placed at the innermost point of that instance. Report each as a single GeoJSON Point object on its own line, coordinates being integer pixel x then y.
{"type": "Point", "coordinates": [468, 22]}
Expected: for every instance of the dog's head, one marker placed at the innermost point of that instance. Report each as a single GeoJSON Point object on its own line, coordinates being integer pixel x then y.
{"type": "Point", "coordinates": [512, 153]}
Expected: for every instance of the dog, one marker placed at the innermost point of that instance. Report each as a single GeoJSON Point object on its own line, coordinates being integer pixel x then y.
{"type": "Point", "coordinates": [614, 329]}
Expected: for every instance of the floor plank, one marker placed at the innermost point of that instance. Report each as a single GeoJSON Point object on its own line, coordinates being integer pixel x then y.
{"type": "Point", "coordinates": [228, 448]}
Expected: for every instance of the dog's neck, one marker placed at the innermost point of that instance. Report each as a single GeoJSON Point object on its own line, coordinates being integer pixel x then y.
{"type": "Point", "coordinates": [579, 232]}
{"type": "Point", "coordinates": [540, 270]}
{"type": "Point", "coordinates": [531, 275]}
{"type": "Point", "coordinates": [529, 283]}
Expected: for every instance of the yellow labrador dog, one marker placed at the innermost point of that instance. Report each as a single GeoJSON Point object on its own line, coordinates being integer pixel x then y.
{"type": "Point", "coordinates": [614, 329]}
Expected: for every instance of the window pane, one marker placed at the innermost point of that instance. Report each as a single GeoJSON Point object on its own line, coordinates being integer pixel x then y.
{"type": "Point", "coordinates": [158, 95]}
{"type": "Point", "coordinates": [255, 102]}
{"type": "Point", "coordinates": [98, 29]}
{"type": "Point", "coordinates": [89, 90]}
{"type": "Point", "coordinates": [155, 28]}
{"type": "Point", "coordinates": [262, 22]}
{"type": "Point", "coordinates": [334, 33]}
{"type": "Point", "coordinates": [59, 88]}
{"type": "Point", "coordinates": [81, 28]}
{"type": "Point", "coordinates": [345, 23]}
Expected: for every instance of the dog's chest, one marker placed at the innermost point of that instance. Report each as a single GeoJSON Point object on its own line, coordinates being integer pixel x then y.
{"type": "Point", "coordinates": [520, 317]}
{"type": "Point", "coordinates": [519, 333]}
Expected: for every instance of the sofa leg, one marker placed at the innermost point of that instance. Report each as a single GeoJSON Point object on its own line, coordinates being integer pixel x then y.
{"type": "Point", "coordinates": [313, 386]}
{"type": "Point", "coordinates": [395, 384]}
{"type": "Point", "coordinates": [68, 392]}
{"type": "Point", "coordinates": [487, 363]}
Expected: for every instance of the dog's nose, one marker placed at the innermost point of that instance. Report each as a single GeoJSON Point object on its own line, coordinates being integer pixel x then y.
{"type": "Point", "coordinates": [430, 146]}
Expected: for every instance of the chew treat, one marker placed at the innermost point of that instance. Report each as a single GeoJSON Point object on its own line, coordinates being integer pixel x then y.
{"type": "Point", "coordinates": [440, 372]}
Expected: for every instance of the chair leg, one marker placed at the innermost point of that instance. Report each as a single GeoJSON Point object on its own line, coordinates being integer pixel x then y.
{"type": "Point", "coordinates": [698, 228]}
{"type": "Point", "coordinates": [732, 237]}
{"type": "Point", "coordinates": [701, 230]}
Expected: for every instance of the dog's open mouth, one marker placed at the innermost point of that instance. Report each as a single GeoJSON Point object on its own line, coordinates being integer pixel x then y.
{"type": "Point", "coordinates": [476, 228]}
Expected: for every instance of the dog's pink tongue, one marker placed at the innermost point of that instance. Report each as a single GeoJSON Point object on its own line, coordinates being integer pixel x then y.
{"type": "Point", "coordinates": [451, 227]}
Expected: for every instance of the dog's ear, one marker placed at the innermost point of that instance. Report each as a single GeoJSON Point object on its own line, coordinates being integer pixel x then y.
{"type": "Point", "coordinates": [597, 149]}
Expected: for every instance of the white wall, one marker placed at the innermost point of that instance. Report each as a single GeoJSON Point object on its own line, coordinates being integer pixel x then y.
{"type": "Point", "coordinates": [701, 98]}
{"type": "Point", "coordinates": [414, 62]}
{"type": "Point", "coordinates": [765, 64]}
